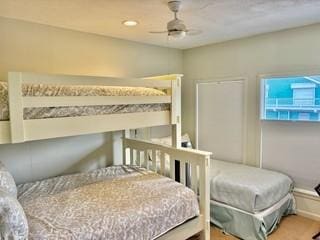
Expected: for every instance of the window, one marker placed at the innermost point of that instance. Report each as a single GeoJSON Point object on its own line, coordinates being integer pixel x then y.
{"type": "Point", "coordinates": [291, 98]}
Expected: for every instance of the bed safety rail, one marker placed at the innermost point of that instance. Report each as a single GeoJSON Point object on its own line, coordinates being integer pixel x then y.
{"type": "Point", "coordinates": [155, 157]}
{"type": "Point", "coordinates": [18, 129]}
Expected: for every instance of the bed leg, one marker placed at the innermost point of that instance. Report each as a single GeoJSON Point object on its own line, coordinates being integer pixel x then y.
{"type": "Point", "coordinates": [205, 234]}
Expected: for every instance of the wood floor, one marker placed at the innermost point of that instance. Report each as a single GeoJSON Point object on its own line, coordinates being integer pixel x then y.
{"type": "Point", "coordinates": [291, 228]}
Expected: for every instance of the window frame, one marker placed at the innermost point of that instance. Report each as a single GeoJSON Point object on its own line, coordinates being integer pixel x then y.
{"type": "Point", "coordinates": [261, 94]}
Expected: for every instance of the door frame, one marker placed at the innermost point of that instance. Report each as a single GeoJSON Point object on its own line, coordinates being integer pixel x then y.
{"type": "Point", "coordinates": [244, 115]}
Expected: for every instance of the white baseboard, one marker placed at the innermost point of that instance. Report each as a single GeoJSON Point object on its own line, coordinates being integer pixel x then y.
{"type": "Point", "coordinates": [308, 204]}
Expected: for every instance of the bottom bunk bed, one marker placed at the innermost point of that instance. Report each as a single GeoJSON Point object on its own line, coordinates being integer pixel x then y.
{"type": "Point", "coordinates": [117, 202]}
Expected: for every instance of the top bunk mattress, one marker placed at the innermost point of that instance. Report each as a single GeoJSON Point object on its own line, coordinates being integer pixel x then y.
{"type": "Point", "coordinates": [117, 202]}
{"type": "Point", "coordinates": [247, 188]}
{"type": "Point", "coordinates": [45, 90]}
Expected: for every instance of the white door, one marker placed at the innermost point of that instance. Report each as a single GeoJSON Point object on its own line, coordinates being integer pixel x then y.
{"type": "Point", "coordinates": [220, 119]}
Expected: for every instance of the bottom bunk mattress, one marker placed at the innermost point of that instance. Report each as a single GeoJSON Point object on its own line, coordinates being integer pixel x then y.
{"type": "Point", "coordinates": [250, 226]}
{"type": "Point", "coordinates": [248, 188]}
{"type": "Point", "coordinates": [117, 202]}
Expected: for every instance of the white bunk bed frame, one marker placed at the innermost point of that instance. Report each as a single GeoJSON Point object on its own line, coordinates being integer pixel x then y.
{"type": "Point", "coordinates": [137, 152]}
{"type": "Point", "coordinates": [17, 130]}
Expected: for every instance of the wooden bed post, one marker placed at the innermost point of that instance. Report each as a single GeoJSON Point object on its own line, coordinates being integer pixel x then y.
{"type": "Point", "coordinates": [176, 112]}
{"type": "Point", "coordinates": [176, 135]}
{"type": "Point", "coordinates": [205, 198]}
{"type": "Point", "coordinates": [175, 93]}
{"type": "Point", "coordinates": [16, 107]}
{"type": "Point", "coordinates": [176, 121]}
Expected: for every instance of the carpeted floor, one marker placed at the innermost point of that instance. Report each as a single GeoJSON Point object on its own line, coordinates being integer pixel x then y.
{"type": "Point", "coordinates": [292, 227]}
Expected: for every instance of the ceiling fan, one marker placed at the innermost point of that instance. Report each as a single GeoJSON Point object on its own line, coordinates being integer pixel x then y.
{"type": "Point", "coordinates": [176, 27]}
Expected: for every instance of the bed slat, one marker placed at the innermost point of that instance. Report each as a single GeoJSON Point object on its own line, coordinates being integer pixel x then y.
{"type": "Point", "coordinates": [56, 101]}
{"type": "Point", "coordinates": [194, 177]}
{"type": "Point", "coordinates": [35, 78]}
{"type": "Point", "coordinates": [138, 156]}
{"type": "Point", "coordinates": [162, 163]}
{"type": "Point", "coordinates": [131, 156]}
{"type": "Point", "coordinates": [37, 129]}
{"type": "Point", "coordinates": [154, 160]}
{"type": "Point", "coordinates": [146, 160]}
{"type": "Point", "coordinates": [172, 168]}
{"type": "Point", "coordinates": [183, 172]}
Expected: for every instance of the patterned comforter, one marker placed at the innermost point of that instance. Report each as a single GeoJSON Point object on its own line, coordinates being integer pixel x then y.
{"type": "Point", "coordinates": [44, 90]}
{"type": "Point", "coordinates": [117, 202]}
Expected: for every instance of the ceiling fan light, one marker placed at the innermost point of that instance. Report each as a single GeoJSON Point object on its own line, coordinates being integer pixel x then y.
{"type": "Point", "coordinates": [177, 34]}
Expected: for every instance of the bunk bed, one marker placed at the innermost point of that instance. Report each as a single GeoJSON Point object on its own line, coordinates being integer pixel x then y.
{"type": "Point", "coordinates": [27, 91]}
{"type": "Point", "coordinates": [34, 105]}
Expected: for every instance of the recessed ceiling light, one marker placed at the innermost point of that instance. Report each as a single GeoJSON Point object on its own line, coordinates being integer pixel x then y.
{"type": "Point", "coordinates": [130, 23]}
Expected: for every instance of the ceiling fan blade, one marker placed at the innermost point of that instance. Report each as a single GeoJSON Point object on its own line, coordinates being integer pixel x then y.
{"type": "Point", "coordinates": [156, 32]}
{"type": "Point", "coordinates": [193, 32]}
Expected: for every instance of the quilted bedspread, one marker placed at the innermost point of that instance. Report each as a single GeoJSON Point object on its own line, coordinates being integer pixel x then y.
{"type": "Point", "coordinates": [117, 202]}
{"type": "Point", "coordinates": [247, 188]}
{"type": "Point", "coordinates": [44, 90]}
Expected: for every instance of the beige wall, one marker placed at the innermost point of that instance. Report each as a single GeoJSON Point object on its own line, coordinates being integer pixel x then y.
{"type": "Point", "coordinates": [280, 52]}
{"type": "Point", "coordinates": [39, 48]}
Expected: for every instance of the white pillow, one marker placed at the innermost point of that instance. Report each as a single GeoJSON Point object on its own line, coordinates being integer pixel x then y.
{"type": "Point", "coordinates": [13, 221]}
{"type": "Point", "coordinates": [7, 182]}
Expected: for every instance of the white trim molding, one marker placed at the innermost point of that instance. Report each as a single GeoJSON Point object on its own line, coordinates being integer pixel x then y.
{"type": "Point", "coordinates": [308, 203]}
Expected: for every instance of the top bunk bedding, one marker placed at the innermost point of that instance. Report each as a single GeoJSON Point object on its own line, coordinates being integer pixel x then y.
{"type": "Point", "coordinates": [247, 188]}
{"type": "Point", "coordinates": [118, 202]}
{"type": "Point", "coordinates": [46, 90]}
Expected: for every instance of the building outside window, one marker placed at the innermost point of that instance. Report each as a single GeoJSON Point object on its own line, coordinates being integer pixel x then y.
{"type": "Point", "coordinates": [291, 98]}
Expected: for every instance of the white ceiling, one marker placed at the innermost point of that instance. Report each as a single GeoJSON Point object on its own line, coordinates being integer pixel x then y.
{"type": "Point", "coordinates": [220, 20]}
